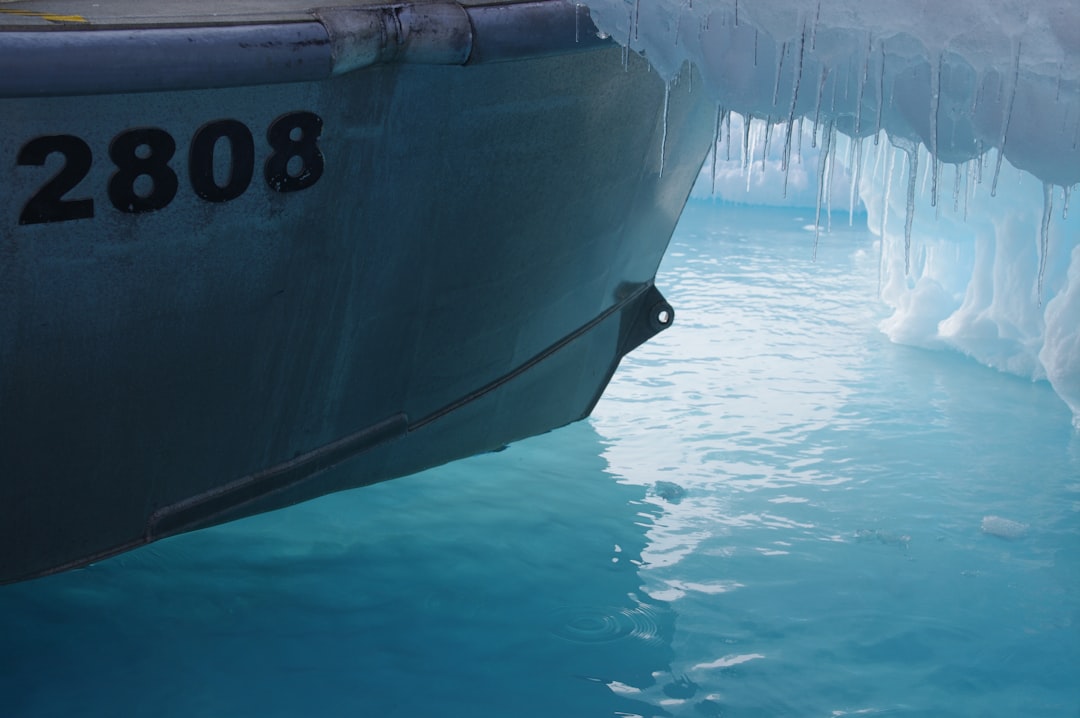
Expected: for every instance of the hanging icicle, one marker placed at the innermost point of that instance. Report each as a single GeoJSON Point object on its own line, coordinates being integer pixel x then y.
{"type": "Point", "coordinates": [785, 161]}
{"type": "Point", "coordinates": [856, 163]}
{"type": "Point", "coordinates": [817, 107]}
{"type": "Point", "coordinates": [862, 83]}
{"type": "Point", "coordinates": [956, 188]}
{"type": "Point", "coordinates": [727, 133]}
{"type": "Point", "coordinates": [880, 94]}
{"type": "Point", "coordinates": [1007, 118]}
{"type": "Point", "coordinates": [1044, 237]}
{"type": "Point", "coordinates": [935, 103]}
{"type": "Point", "coordinates": [823, 166]}
{"type": "Point", "coordinates": [716, 145]}
{"type": "Point", "coordinates": [779, 72]}
{"type": "Point", "coordinates": [748, 120]}
{"type": "Point", "coordinates": [911, 150]}
{"type": "Point", "coordinates": [765, 144]}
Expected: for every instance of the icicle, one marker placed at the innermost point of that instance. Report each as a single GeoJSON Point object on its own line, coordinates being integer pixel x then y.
{"type": "Point", "coordinates": [1065, 192]}
{"type": "Point", "coordinates": [736, 13]}
{"type": "Point", "coordinates": [880, 94]}
{"type": "Point", "coordinates": [980, 159]}
{"type": "Point", "coordinates": [933, 190]}
{"type": "Point", "coordinates": [765, 144]}
{"type": "Point", "coordinates": [637, 17]}
{"type": "Point", "coordinates": [877, 159]}
{"type": "Point", "coordinates": [851, 180]}
{"type": "Point", "coordinates": [751, 144]}
{"type": "Point", "coordinates": [970, 179]}
{"type": "Point", "coordinates": [925, 176]}
{"type": "Point", "coordinates": [785, 161]}
{"type": "Point", "coordinates": [716, 146]}
{"type": "Point", "coordinates": [779, 70]}
{"type": "Point", "coordinates": [577, 22]}
{"type": "Point", "coordinates": [832, 102]}
{"type": "Point", "coordinates": [956, 188]}
{"type": "Point", "coordinates": [727, 132]}
{"type": "Point", "coordinates": [997, 171]}
{"type": "Point", "coordinates": [747, 121]}
{"type": "Point", "coordinates": [1006, 120]}
{"type": "Point", "coordinates": [663, 136]}
{"type": "Point", "coordinates": [935, 103]}
{"type": "Point", "coordinates": [912, 152]}
{"type": "Point", "coordinates": [1044, 235]}
{"type": "Point", "coordinates": [862, 83]}
{"type": "Point", "coordinates": [817, 108]}
{"type": "Point", "coordinates": [755, 46]}
{"type": "Point", "coordinates": [887, 190]}
{"type": "Point", "coordinates": [857, 165]}
{"type": "Point", "coordinates": [813, 31]}
{"type": "Point", "coordinates": [798, 141]}
{"type": "Point", "coordinates": [823, 161]}
{"type": "Point", "coordinates": [830, 172]}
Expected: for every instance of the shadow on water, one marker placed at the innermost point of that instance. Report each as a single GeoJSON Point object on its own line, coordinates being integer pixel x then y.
{"type": "Point", "coordinates": [506, 584]}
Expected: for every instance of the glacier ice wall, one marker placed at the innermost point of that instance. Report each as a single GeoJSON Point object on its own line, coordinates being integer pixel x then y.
{"type": "Point", "coordinates": [956, 126]}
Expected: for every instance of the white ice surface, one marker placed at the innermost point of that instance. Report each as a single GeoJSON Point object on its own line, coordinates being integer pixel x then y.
{"type": "Point", "coordinates": [966, 116]}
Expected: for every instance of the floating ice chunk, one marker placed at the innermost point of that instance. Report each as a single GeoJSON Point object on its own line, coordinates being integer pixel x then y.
{"type": "Point", "coordinates": [1005, 528]}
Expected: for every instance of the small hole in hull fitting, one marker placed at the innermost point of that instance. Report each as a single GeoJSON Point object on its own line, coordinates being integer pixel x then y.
{"type": "Point", "coordinates": [661, 316]}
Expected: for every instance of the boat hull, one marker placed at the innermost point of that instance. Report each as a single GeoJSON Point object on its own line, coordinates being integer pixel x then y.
{"type": "Point", "coordinates": [247, 297]}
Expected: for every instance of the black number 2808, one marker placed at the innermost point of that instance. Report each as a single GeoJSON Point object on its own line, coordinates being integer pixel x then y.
{"type": "Point", "coordinates": [294, 163]}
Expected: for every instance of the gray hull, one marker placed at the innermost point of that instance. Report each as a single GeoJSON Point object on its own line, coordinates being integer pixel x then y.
{"type": "Point", "coordinates": [322, 284]}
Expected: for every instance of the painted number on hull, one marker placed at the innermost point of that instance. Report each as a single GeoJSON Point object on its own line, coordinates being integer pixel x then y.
{"type": "Point", "coordinates": [143, 181]}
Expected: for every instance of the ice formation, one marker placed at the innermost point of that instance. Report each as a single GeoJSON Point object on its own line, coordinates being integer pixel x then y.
{"type": "Point", "coordinates": [956, 125]}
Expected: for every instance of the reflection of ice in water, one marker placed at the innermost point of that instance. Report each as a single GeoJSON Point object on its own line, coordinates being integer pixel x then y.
{"type": "Point", "coordinates": [963, 122]}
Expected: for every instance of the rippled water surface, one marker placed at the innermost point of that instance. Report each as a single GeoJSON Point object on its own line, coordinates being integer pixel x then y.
{"type": "Point", "coordinates": [773, 512]}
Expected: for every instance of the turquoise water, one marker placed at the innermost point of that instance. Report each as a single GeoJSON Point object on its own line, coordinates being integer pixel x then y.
{"type": "Point", "coordinates": [773, 512]}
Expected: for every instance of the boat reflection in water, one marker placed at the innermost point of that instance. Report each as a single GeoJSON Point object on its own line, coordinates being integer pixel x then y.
{"type": "Point", "coordinates": [253, 257]}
